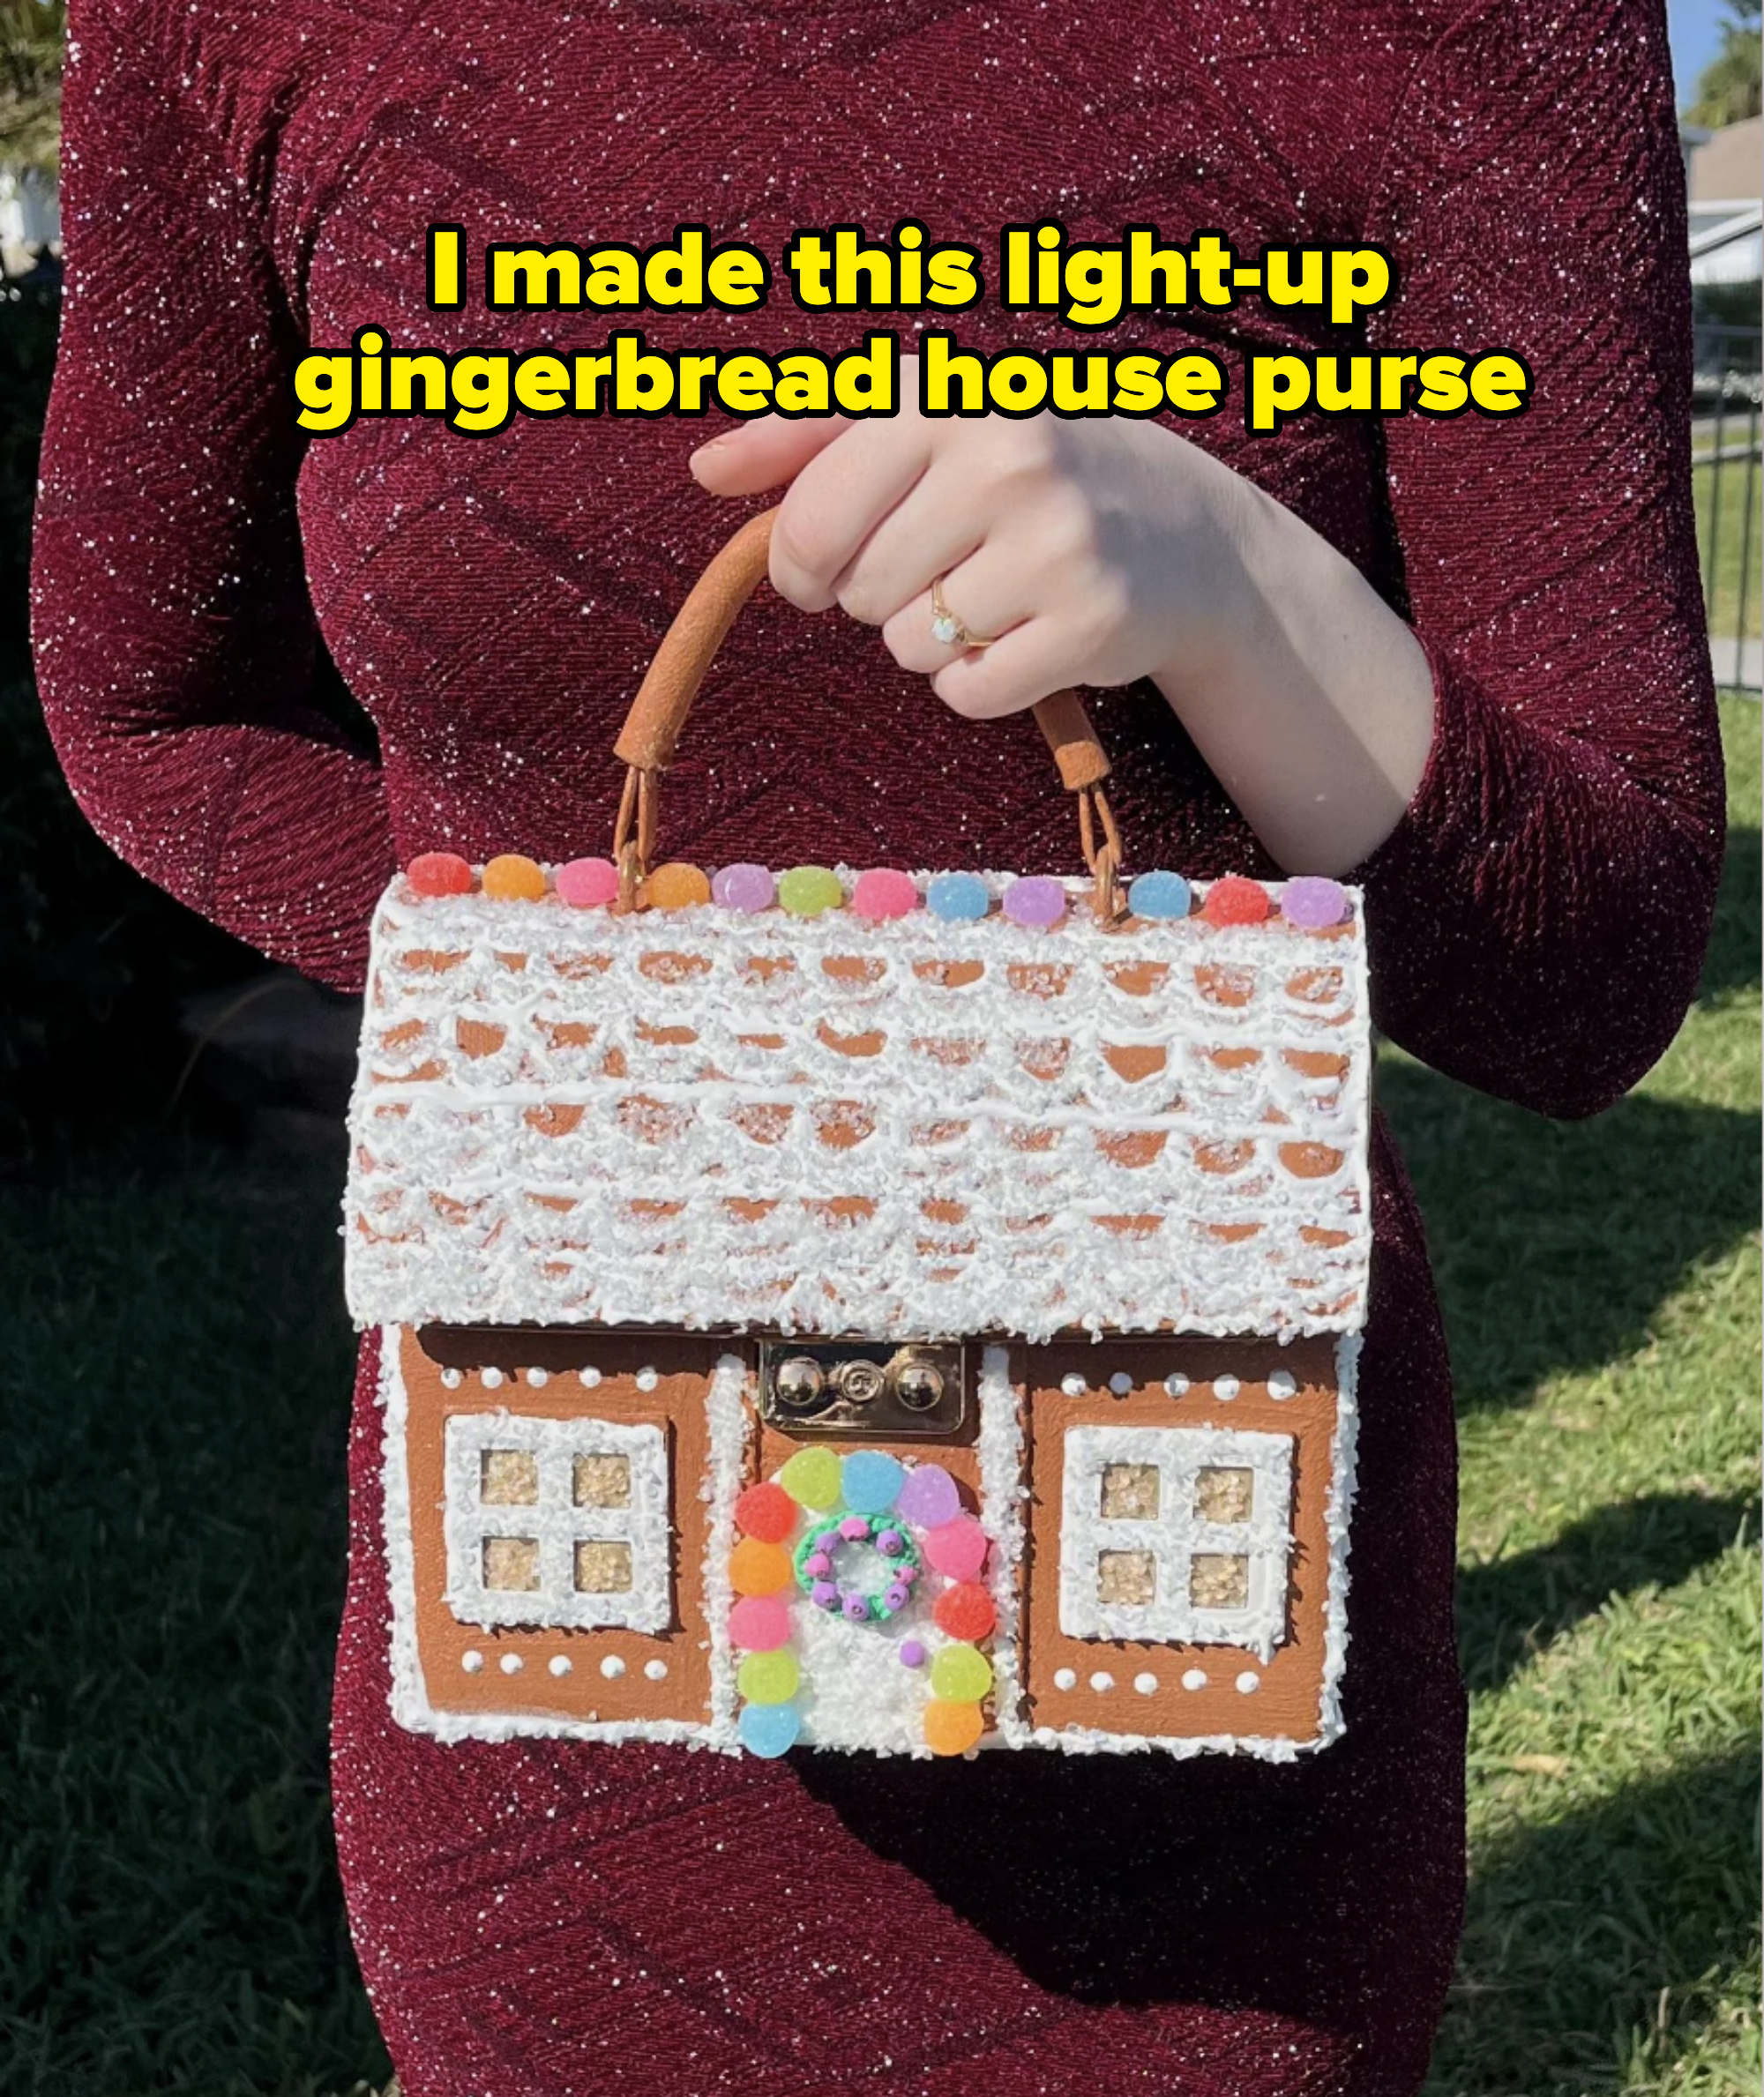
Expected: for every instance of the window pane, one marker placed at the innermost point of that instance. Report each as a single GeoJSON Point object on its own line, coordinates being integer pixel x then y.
{"type": "Point", "coordinates": [1129, 1492]}
{"type": "Point", "coordinates": [603, 1481]}
{"type": "Point", "coordinates": [1218, 1582]}
{"type": "Point", "coordinates": [602, 1567]}
{"type": "Point", "coordinates": [1126, 1579]}
{"type": "Point", "coordinates": [509, 1477]}
{"type": "Point", "coordinates": [512, 1565]}
{"type": "Point", "coordinates": [1224, 1495]}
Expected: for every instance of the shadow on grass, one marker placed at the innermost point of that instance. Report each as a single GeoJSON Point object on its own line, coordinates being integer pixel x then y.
{"type": "Point", "coordinates": [174, 1569]}
{"type": "Point", "coordinates": [1509, 1610]}
{"type": "Point", "coordinates": [1554, 1243]}
{"type": "Point", "coordinates": [1601, 1941]}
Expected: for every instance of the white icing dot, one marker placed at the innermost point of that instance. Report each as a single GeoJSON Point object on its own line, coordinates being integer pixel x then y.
{"type": "Point", "coordinates": [490, 1379]}
{"type": "Point", "coordinates": [646, 1379]}
{"type": "Point", "coordinates": [589, 1379]}
{"type": "Point", "coordinates": [1073, 1386]}
{"type": "Point", "coordinates": [538, 1378]}
{"type": "Point", "coordinates": [451, 1379]}
{"type": "Point", "coordinates": [1120, 1383]}
{"type": "Point", "coordinates": [1226, 1387]}
{"type": "Point", "coordinates": [1177, 1384]}
{"type": "Point", "coordinates": [1283, 1384]}
{"type": "Point", "coordinates": [656, 1670]}
{"type": "Point", "coordinates": [612, 1667]}
{"type": "Point", "coordinates": [473, 1662]}
{"type": "Point", "coordinates": [1064, 1679]}
{"type": "Point", "coordinates": [1099, 1682]}
{"type": "Point", "coordinates": [561, 1664]}
{"type": "Point", "coordinates": [1145, 1683]}
{"type": "Point", "coordinates": [1248, 1683]}
{"type": "Point", "coordinates": [1194, 1678]}
{"type": "Point", "coordinates": [511, 1663]}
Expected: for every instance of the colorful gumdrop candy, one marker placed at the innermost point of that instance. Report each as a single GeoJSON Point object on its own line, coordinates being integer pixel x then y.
{"type": "Point", "coordinates": [958, 898]}
{"type": "Point", "coordinates": [770, 1677]}
{"type": "Point", "coordinates": [757, 1568]}
{"type": "Point", "coordinates": [512, 877]}
{"type": "Point", "coordinates": [1236, 901]}
{"type": "Point", "coordinates": [928, 1497]}
{"type": "Point", "coordinates": [958, 1548]}
{"type": "Point", "coordinates": [811, 1478]}
{"type": "Point", "coordinates": [806, 892]}
{"type": "Point", "coordinates": [748, 889]}
{"type": "Point", "coordinates": [966, 1611]}
{"type": "Point", "coordinates": [885, 892]}
{"type": "Point", "coordinates": [1160, 895]}
{"type": "Point", "coordinates": [1313, 903]}
{"type": "Point", "coordinates": [439, 874]}
{"type": "Point", "coordinates": [952, 1728]}
{"type": "Point", "coordinates": [960, 1675]}
{"type": "Point", "coordinates": [769, 1729]}
{"type": "Point", "coordinates": [587, 883]}
{"type": "Point", "coordinates": [677, 886]}
{"type": "Point", "coordinates": [765, 1510]}
{"type": "Point", "coordinates": [1036, 899]}
{"type": "Point", "coordinates": [759, 1623]}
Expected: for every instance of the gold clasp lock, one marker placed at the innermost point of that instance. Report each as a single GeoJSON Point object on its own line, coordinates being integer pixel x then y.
{"type": "Point", "coordinates": [914, 1392]}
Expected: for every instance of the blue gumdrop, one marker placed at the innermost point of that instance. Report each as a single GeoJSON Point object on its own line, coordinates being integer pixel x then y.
{"type": "Point", "coordinates": [769, 1729]}
{"type": "Point", "coordinates": [958, 898]}
{"type": "Point", "coordinates": [868, 1480]}
{"type": "Point", "coordinates": [1160, 895]}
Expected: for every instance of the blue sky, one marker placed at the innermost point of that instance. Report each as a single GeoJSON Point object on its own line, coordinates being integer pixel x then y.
{"type": "Point", "coordinates": [1696, 38]}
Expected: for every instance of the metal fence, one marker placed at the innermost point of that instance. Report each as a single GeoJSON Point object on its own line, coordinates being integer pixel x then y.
{"type": "Point", "coordinates": [1727, 488]}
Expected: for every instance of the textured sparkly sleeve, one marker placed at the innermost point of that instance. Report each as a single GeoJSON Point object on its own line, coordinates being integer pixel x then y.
{"type": "Point", "coordinates": [173, 636]}
{"type": "Point", "coordinates": [1537, 918]}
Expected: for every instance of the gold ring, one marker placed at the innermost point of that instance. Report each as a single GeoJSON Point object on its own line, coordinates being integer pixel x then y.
{"type": "Point", "coordinates": [947, 628]}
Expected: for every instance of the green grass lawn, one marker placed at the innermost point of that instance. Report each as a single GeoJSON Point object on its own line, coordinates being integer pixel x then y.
{"type": "Point", "coordinates": [179, 1374]}
{"type": "Point", "coordinates": [1738, 552]}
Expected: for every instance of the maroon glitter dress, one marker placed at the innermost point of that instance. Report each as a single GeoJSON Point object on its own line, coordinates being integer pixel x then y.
{"type": "Point", "coordinates": [537, 1919]}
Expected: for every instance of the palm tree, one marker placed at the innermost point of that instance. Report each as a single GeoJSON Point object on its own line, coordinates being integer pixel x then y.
{"type": "Point", "coordinates": [1727, 87]}
{"type": "Point", "coordinates": [31, 32]}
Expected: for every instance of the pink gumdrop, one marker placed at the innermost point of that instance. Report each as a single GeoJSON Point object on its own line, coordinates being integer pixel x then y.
{"type": "Point", "coordinates": [905, 1574]}
{"type": "Point", "coordinates": [928, 1497]}
{"type": "Point", "coordinates": [885, 892]}
{"type": "Point", "coordinates": [817, 1565]}
{"type": "Point", "coordinates": [1036, 899]}
{"type": "Point", "coordinates": [587, 884]}
{"type": "Point", "coordinates": [854, 1528]}
{"type": "Point", "coordinates": [759, 1623]}
{"type": "Point", "coordinates": [748, 889]}
{"type": "Point", "coordinates": [959, 1549]}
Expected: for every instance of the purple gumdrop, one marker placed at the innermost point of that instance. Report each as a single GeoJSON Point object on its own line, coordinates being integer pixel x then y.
{"type": "Point", "coordinates": [817, 1565]}
{"type": "Point", "coordinates": [854, 1528]}
{"type": "Point", "coordinates": [824, 1595]}
{"type": "Point", "coordinates": [856, 1608]}
{"type": "Point", "coordinates": [1312, 903]}
{"type": "Point", "coordinates": [744, 888]}
{"type": "Point", "coordinates": [889, 1543]}
{"type": "Point", "coordinates": [928, 1497]}
{"type": "Point", "coordinates": [912, 1654]}
{"type": "Point", "coordinates": [898, 1597]}
{"type": "Point", "coordinates": [1036, 899]}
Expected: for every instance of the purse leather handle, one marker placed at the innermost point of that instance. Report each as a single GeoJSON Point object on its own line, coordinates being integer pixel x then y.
{"type": "Point", "coordinates": [657, 719]}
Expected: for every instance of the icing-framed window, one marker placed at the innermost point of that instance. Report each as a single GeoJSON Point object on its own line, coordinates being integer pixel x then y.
{"type": "Point", "coordinates": [1176, 1535]}
{"type": "Point", "coordinates": [559, 1523]}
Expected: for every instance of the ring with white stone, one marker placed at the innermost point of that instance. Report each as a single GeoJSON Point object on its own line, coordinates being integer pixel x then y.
{"type": "Point", "coordinates": [947, 628]}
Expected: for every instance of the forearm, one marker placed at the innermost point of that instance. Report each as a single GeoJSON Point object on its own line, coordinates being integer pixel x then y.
{"type": "Point", "coordinates": [1312, 701]}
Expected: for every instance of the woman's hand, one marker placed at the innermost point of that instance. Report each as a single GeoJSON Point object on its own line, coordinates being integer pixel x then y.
{"type": "Point", "coordinates": [1099, 552]}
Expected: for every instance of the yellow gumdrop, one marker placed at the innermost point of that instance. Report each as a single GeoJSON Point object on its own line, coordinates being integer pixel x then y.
{"type": "Point", "coordinates": [811, 1478]}
{"type": "Point", "coordinates": [510, 878]}
{"type": "Point", "coordinates": [768, 1677]}
{"type": "Point", "coordinates": [952, 1728]}
{"type": "Point", "coordinates": [677, 887]}
{"type": "Point", "coordinates": [962, 1673]}
{"type": "Point", "coordinates": [756, 1568]}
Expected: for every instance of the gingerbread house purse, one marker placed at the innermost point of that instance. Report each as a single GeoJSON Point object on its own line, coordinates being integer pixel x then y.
{"type": "Point", "coordinates": [885, 1311]}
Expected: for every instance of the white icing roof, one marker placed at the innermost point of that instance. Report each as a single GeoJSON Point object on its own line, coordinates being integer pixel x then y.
{"type": "Point", "coordinates": [910, 1129]}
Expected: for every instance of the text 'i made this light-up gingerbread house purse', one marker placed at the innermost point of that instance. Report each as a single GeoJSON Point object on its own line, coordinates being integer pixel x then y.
{"type": "Point", "coordinates": [885, 1311]}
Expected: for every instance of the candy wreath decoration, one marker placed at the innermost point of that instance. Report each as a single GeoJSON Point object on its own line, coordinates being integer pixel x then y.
{"type": "Point", "coordinates": [912, 1519]}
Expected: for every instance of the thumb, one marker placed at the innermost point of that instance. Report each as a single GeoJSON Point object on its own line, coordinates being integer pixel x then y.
{"type": "Point", "coordinates": [763, 452]}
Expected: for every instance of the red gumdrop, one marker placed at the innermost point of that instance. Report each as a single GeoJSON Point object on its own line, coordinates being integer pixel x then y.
{"type": "Point", "coordinates": [966, 1612]}
{"type": "Point", "coordinates": [1236, 901]}
{"type": "Point", "coordinates": [439, 874]}
{"type": "Point", "coordinates": [766, 1511]}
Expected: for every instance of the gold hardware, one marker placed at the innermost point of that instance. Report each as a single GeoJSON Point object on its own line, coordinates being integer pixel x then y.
{"type": "Point", "coordinates": [917, 1392]}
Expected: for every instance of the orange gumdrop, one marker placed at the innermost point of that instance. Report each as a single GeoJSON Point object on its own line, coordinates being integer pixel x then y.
{"type": "Point", "coordinates": [512, 877]}
{"type": "Point", "coordinates": [952, 1728]}
{"type": "Point", "coordinates": [677, 887]}
{"type": "Point", "coordinates": [759, 1567]}
{"type": "Point", "coordinates": [767, 1512]}
{"type": "Point", "coordinates": [966, 1611]}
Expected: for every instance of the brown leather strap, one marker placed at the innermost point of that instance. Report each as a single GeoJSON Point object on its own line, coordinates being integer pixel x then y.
{"type": "Point", "coordinates": [653, 727]}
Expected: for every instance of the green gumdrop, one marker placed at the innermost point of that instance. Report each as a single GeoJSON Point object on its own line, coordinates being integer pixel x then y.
{"type": "Point", "coordinates": [960, 1674]}
{"type": "Point", "coordinates": [769, 1677]}
{"type": "Point", "coordinates": [811, 1478]}
{"type": "Point", "coordinates": [805, 892]}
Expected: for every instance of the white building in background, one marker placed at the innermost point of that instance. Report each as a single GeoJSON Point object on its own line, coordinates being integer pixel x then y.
{"type": "Point", "coordinates": [1725, 174]}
